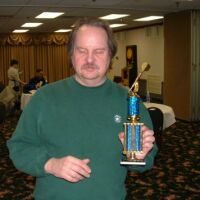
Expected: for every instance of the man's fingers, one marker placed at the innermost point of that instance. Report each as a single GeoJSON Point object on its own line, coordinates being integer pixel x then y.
{"type": "Point", "coordinates": [121, 137]}
{"type": "Point", "coordinates": [149, 139]}
{"type": "Point", "coordinates": [76, 176]}
{"type": "Point", "coordinates": [83, 170]}
{"type": "Point", "coordinates": [82, 164]}
{"type": "Point", "coordinates": [72, 179]}
{"type": "Point", "coordinates": [69, 168]}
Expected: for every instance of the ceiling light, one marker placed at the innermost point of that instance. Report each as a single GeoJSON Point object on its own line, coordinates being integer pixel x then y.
{"type": "Point", "coordinates": [63, 30]}
{"type": "Point", "coordinates": [20, 30]}
{"type": "Point", "coordinates": [113, 16]}
{"type": "Point", "coordinates": [117, 25]}
{"type": "Point", "coordinates": [150, 18]}
{"type": "Point", "coordinates": [49, 15]}
{"type": "Point", "coordinates": [31, 24]}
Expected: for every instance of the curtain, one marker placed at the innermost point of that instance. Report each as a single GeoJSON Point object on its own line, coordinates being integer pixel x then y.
{"type": "Point", "coordinates": [48, 52]}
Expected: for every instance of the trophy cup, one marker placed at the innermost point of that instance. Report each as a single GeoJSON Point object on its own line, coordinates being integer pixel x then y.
{"type": "Point", "coordinates": [132, 128]}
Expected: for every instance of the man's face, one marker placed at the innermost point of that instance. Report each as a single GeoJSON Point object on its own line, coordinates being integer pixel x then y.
{"type": "Point", "coordinates": [39, 74]}
{"type": "Point", "coordinates": [16, 66]}
{"type": "Point", "coordinates": [91, 58]}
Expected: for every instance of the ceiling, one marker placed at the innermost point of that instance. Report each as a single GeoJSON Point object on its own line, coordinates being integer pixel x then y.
{"type": "Point", "coordinates": [14, 13]}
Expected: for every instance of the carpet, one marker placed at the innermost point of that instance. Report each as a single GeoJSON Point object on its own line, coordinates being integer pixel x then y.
{"type": "Point", "coordinates": [175, 175]}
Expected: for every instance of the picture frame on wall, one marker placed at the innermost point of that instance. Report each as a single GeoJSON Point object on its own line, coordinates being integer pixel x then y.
{"type": "Point", "coordinates": [129, 73]}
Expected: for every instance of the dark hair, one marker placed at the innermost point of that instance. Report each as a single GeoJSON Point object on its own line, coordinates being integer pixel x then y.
{"type": "Point", "coordinates": [38, 70]}
{"type": "Point", "coordinates": [112, 45]}
{"type": "Point", "coordinates": [14, 62]}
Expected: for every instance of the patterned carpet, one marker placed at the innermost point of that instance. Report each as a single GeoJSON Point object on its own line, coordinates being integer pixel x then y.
{"type": "Point", "coordinates": [176, 174]}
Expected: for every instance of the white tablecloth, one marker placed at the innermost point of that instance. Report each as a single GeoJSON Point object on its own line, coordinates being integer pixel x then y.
{"type": "Point", "coordinates": [168, 113]}
{"type": "Point", "coordinates": [25, 98]}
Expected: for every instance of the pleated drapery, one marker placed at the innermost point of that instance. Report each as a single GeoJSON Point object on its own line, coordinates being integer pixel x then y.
{"type": "Point", "coordinates": [46, 51]}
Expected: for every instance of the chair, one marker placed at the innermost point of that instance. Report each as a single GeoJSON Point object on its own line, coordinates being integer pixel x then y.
{"type": "Point", "coordinates": [157, 121]}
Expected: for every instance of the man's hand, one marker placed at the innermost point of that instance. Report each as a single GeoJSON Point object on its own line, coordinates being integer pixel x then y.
{"type": "Point", "coordinates": [69, 168]}
{"type": "Point", "coordinates": [148, 140]}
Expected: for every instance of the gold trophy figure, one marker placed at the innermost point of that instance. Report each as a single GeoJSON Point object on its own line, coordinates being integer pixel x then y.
{"type": "Point", "coordinates": [132, 128]}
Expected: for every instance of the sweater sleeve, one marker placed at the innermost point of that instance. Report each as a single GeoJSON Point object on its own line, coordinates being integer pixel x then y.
{"type": "Point", "coordinates": [25, 148]}
{"type": "Point", "coordinates": [149, 159]}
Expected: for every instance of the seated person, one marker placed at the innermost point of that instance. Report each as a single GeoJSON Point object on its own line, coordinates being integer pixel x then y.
{"type": "Point", "coordinates": [36, 82]}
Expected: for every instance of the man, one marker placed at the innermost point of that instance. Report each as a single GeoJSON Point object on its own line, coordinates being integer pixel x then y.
{"type": "Point", "coordinates": [13, 75]}
{"type": "Point", "coordinates": [10, 96]}
{"type": "Point", "coordinates": [35, 82]}
{"type": "Point", "coordinates": [69, 136]}
{"type": "Point", "coordinates": [38, 80]}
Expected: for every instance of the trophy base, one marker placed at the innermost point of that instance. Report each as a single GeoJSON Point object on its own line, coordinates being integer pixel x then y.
{"type": "Point", "coordinates": [134, 162]}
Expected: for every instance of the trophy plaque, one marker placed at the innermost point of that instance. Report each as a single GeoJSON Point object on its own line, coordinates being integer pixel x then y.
{"type": "Point", "coordinates": [132, 128]}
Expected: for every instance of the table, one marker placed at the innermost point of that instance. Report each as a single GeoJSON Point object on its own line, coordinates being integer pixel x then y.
{"type": "Point", "coordinates": [168, 113]}
{"type": "Point", "coordinates": [25, 98]}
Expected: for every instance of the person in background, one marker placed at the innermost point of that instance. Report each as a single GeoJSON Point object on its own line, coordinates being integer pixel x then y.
{"type": "Point", "coordinates": [14, 80]}
{"type": "Point", "coordinates": [10, 96]}
{"type": "Point", "coordinates": [39, 79]}
{"type": "Point", "coordinates": [35, 82]}
{"type": "Point", "coordinates": [70, 134]}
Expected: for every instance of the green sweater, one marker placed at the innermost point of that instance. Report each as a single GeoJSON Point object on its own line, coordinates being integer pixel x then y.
{"type": "Point", "coordinates": [66, 118]}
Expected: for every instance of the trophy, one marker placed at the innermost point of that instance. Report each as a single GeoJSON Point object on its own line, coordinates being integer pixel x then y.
{"type": "Point", "coordinates": [132, 129]}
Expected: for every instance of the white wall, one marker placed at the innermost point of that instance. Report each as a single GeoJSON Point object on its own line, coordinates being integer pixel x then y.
{"type": "Point", "coordinates": [150, 48]}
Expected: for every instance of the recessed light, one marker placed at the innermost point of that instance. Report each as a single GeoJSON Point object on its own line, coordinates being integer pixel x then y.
{"type": "Point", "coordinates": [31, 24]}
{"type": "Point", "coordinates": [20, 30]}
{"type": "Point", "coordinates": [63, 30]}
{"type": "Point", "coordinates": [150, 18]}
{"type": "Point", "coordinates": [49, 15]}
{"type": "Point", "coordinates": [114, 16]}
{"type": "Point", "coordinates": [117, 25]}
